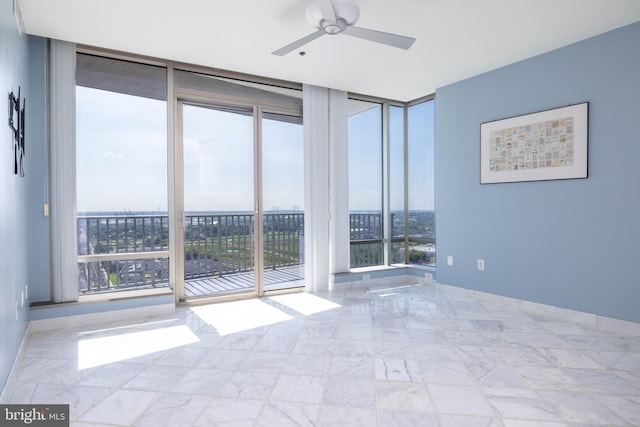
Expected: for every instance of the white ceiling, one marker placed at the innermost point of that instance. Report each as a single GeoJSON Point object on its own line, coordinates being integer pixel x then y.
{"type": "Point", "coordinates": [456, 39]}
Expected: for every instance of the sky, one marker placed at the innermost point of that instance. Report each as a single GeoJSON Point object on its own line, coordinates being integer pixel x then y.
{"type": "Point", "coordinates": [122, 157]}
{"type": "Point", "coordinates": [121, 152]}
{"type": "Point", "coordinates": [219, 162]}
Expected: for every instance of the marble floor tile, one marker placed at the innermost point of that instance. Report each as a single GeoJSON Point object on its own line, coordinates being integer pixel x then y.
{"type": "Point", "coordinates": [564, 358]}
{"type": "Point", "coordinates": [302, 364]}
{"type": "Point", "coordinates": [397, 370]}
{"type": "Point", "coordinates": [599, 381]}
{"type": "Point", "coordinates": [276, 343]}
{"type": "Point", "coordinates": [79, 398]}
{"type": "Point", "coordinates": [592, 342]}
{"type": "Point", "coordinates": [450, 420]}
{"type": "Point", "coordinates": [391, 335]}
{"type": "Point", "coordinates": [353, 348]}
{"type": "Point", "coordinates": [519, 403]}
{"type": "Point", "coordinates": [258, 361]}
{"type": "Point", "coordinates": [114, 375]}
{"type": "Point", "coordinates": [494, 374]}
{"type": "Point", "coordinates": [427, 336]}
{"type": "Point", "coordinates": [173, 409]}
{"type": "Point", "coordinates": [335, 416]}
{"type": "Point", "coordinates": [616, 360]}
{"type": "Point", "coordinates": [182, 356]}
{"type": "Point", "coordinates": [393, 418]}
{"type": "Point", "coordinates": [529, 423]}
{"type": "Point", "coordinates": [313, 346]}
{"type": "Point", "coordinates": [223, 359]}
{"type": "Point", "coordinates": [392, 356]}
{"type": "Point", "coordinates": [352, 367]}
{"type": "Point", "coordinates": [121, 408]}
{"type": "Point", "coordinates": [450, 372]}
{"type": "Point", "coordinates": [201, 381]}
{"type": "Point", "coordinates": [403, 396]}
{"type": "Point", "coordinates": [299, 389]}
{"type": "Point", "coordinates": [349, 392]}
{"type": "Point", "coordinates": [230, 412]}
{"type": "Point", "coordinates": [454, 399]}
{"type": "Point", "coordinates": [249, 385]}
{"type": "Point", "coordinates": [156, 378]}
{"type": "Point", "coordinates": [575, 407]}
{"type": "Point", "coordinates": [526, 356]}
{"type": "Point", "coordinates": [348, 332]}
{"type": "Point", "coordinates": [626, 407]}
{"type": "Point", "coordinates": [287, 414]}
{"type": "Point", "coordinates": [546, 378]}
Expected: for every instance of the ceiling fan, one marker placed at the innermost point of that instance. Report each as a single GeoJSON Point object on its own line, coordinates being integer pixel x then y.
{"type": "Point", "coordinates": [338, 16]}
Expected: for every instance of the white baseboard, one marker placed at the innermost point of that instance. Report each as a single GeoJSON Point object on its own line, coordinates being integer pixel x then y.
{"type": "Point", "coordinates": [621, 327]}
{"type": "Point", "coordinates": [11, 378]}
{"type": "Point", "coordinates": [97, 318]}
{"type": "Point", "coordinates": [381, 282]}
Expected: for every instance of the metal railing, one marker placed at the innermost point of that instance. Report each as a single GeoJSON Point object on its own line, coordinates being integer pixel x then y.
{"type": "Point", "coordinates": [127, 251]}
{"type": "Point", "coordinates": [224, 244]}
{"type": "Point", "coordinates": [366, 239]}
{"type": "Point", "coordinates": [123, 251]}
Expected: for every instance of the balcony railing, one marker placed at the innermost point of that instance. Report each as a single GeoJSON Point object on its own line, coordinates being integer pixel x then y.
{"type": "Point", "coordinates": [366, 239]}
{"type": "Point", "coordinates": [224, 244]}
{"type": "Point", "coordinates": [118, 252]}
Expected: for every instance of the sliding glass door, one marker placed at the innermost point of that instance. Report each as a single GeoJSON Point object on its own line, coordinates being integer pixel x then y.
{"type": "Point", "coordinates": [283, 200]}
{"type": "Point", "coordinates": [242, 200]}
{"type": "Point", "coordinates": [218, 220]}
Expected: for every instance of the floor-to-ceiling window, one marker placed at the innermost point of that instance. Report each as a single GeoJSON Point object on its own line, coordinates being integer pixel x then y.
{"type": "Point", "coordinates": [121, 169]}
{"type": "Point", "coordinates": [233, 167]}
{"type": "Point", "coordinates": [397, 183]}
{"type": "Point", "coordinates": [239, 186]}
{"type": "Point", "coordinates": [391, 180]}
{"type": "Point", "coordinates": [420, 224]}
{"type": "Point", "coordinates": [365, 183]}
{"type": "Point", "coordinates": [282, 170]}
{"type": "Point", "coordinates": [126, 181]}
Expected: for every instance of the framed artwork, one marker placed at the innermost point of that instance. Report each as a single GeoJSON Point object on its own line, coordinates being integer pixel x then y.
{"type": "Point", "coordinates": [546, 145]}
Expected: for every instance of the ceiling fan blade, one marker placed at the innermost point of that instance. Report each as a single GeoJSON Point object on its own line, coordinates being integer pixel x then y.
{"type": "Point", "coordinates": [296, 44]}
{"type": "Point", "coordinates": [394, 40]}
{"type": "Point", "coordinates": [326, 9]}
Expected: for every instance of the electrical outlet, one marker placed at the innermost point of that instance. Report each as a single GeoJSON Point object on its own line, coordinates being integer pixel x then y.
{"type": "Point", "coordinates": [449, 260]}
{"type": "Point", "coordinates": [480, 264]}
{"type": "Point", "coordinates": [366, 276]}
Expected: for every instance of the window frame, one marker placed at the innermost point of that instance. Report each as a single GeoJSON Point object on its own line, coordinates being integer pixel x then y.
{"type": "Point", "coordinates": [388, 240]}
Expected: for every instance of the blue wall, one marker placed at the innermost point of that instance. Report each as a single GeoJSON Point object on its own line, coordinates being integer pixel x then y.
{"type": "Point", "coordinates": [14, 198]}
{"type": "Point", "coordinates": [570, 243]}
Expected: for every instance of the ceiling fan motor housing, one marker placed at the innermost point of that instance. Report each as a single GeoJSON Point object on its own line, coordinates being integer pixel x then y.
{"type": "Point", "coordinates": [346, 11]}
{"type": "Point", "coordinates": [333, 27]}
{"type": "Point", "coordinates": [338, 17]}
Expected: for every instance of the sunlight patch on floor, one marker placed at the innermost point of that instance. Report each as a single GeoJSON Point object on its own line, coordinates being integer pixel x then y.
{"type": "Point", "coordinates": [238, 316]}
{"type": "Point", "coordinates": [120, 346]}
{"type": "Point", "coordinates": [305, 303]}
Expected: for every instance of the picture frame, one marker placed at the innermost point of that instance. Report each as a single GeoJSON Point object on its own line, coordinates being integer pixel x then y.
{"type": "Point", "coordinates": [546, 145]}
